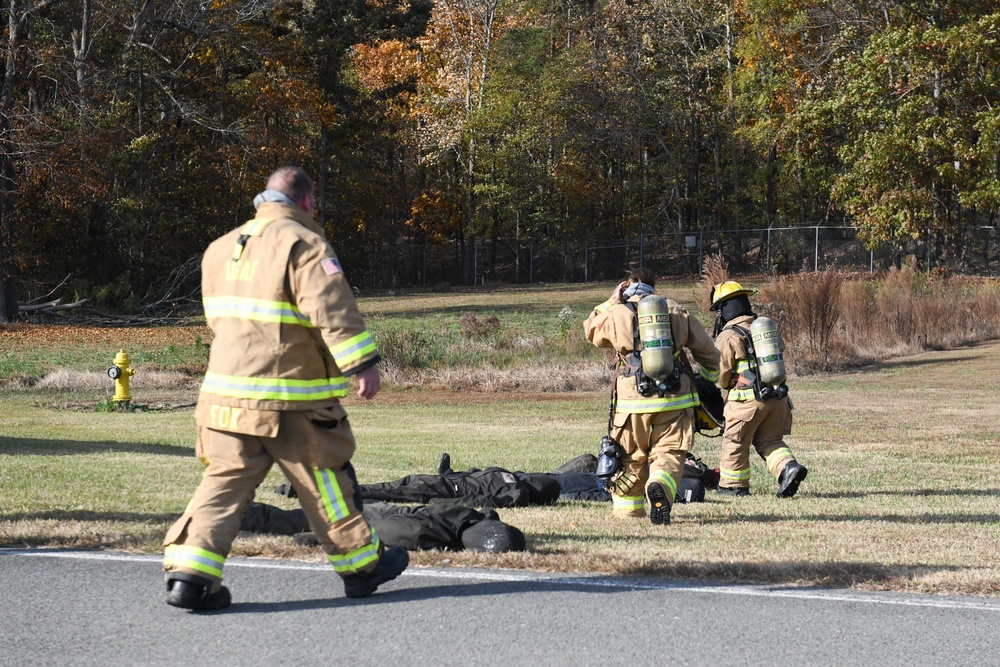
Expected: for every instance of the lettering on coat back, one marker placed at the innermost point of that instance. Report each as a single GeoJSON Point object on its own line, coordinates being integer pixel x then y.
{"type": "Point", "coordinates": [225, 418]}
{"type": "Point", "coordinates": [242, 271]}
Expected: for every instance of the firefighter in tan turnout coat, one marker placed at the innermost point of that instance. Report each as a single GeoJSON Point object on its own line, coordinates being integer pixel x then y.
{"type": "Point", "coordinates": [287, 334]}
{"type": "Point", "coordinates": [654, 430]}
{"type": "Point", "coordinates": [752, 419]}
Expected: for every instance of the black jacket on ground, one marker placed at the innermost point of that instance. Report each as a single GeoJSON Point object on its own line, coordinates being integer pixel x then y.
{"type": "Point", "coordinates": [457, 486]}
{"type": "Point", "coordinates": [492, 487]}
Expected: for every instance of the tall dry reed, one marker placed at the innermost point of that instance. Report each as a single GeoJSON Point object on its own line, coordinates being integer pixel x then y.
{"type": "Point", "coordinates": [808, 307]}
{"type": "Point", "coordinates": [831, 320]}
{"type": "Point", "coordinates": [714, 270]}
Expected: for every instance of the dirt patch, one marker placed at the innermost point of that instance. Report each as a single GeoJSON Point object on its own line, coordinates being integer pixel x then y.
{"type": "Point", "coordinates": [92, 406]}
{"type": "Point", "coordinates": [13, 335]}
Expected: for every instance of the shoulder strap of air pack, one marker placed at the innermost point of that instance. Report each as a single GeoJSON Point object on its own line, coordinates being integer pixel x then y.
{"type": "Point", "coordinates": [631, 363]}
{"type": "Point", "coordinates": [747, 340]}
{"type": "Point", "coordinates": [251, 228]}
{"type": "Point", "coordinates": [634, 307]}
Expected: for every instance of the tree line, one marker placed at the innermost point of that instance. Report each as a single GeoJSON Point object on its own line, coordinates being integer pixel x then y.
{"type": "Point", "coordinates": [132, 133]}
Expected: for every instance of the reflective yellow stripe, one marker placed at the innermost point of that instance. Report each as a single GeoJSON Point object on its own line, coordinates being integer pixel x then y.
{"type": "Point", "coordinates": [605, 307]}
{"type": "Point", "coordinates": [742, 366]}
{"type": "Point", "coordinates": [273, 389]}
{"type": "Point", "coordinates": [193, 558]}
{"type": "Point", "coordinates": [666, 480]}
{"type": "Point", "coordinates": [777, 455]}
{"type": "Point", "coordinates": [735, 475]}
{"type": "Point", "coordinates": [657, 404]}
{"type": "Point", "coordinates": [352, 349]}
{"type": "Point", "coordinates": [627, 502]}
{"type": "Point", "coordinates": [742, 394]}
{"type": "Point", "coordinates": [260, 310]}
{"type": "Point", "coordinates": [357, 559]}
{"type": "Point", "coordinates": [709, 374]}
{"type": "Point", "coordinates": [333, 498]}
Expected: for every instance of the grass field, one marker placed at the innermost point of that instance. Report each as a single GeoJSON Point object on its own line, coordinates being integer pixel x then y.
{"type": "Point", "coordinates": [901, 492]}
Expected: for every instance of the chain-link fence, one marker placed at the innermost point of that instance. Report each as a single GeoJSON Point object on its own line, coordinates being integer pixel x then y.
{"type": "Point", "coordinates": [974, 250]}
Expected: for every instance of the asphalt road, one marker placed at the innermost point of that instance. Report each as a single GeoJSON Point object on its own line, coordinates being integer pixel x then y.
{"type": "Point", "coordinates": [84, 608]}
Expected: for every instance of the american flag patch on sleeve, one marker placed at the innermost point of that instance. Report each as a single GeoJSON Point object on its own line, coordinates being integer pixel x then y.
{"type": "Point", "coordinates": [331, 266]}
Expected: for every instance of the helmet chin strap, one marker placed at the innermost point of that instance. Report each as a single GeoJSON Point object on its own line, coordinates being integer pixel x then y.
{"type": "Point", "coordinates": [719, 324]}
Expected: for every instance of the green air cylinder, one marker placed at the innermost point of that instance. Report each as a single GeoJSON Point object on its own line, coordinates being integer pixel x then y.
{"type": "Point", "coordinates": [767, 346]}
{"type": "Point", "coordinates": [654, 334]}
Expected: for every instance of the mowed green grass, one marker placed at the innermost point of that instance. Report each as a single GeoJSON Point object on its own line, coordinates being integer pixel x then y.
{"type": "Point", "coordinates": [900, 495]}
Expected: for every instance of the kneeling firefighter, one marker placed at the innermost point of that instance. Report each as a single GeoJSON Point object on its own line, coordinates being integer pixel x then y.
{"type": "Point", "coordinates": [653, 395]}
{"type": "Point", "coordinates": [758, 411]}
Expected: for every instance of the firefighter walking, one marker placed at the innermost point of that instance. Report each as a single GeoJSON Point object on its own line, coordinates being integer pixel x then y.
{"type": "Point", "coordinates": [758, 412]}
{"type": "Point", "coordinates": [653, 398]}
{"type": "Point", "coordinates": [287, 334]}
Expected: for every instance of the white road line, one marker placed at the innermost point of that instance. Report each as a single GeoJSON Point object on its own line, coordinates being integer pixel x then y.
{"type": "Point", "coordinates": [759, 590]}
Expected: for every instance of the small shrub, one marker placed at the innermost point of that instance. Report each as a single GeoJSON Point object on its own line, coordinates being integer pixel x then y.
{"type": "Point", "coordinates": [475, 329]}
{"type": "Point", "coordinates": [402, 349]}
{"type": "Point", "coordinates": [108, 404]}
{"type": "Point", "coordinates": [566, 322]}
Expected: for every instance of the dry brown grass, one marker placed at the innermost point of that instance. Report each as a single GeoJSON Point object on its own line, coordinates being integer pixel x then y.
{"type": "Point", "coordinates": [714, 270]}
{"type": "Point", "coordinates": [548, 377]}
{"type": "Point", "coordinates": [831, 320]}
{"type": "Point", "coordinates": [69, 380]}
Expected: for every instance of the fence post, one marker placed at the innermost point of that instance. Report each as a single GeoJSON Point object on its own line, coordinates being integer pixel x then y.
{"type": "Point", "coordinates": [768, 267]}
{"type": "Point", "coordinates": [701, 250]}
{"type": "Point", "coordinates": [531, 262]}
{"type": "Point", "coordinates": [928, 250]}
{"type": "Point", "coordinates": [816, 251]}
{"type": "Point", "coordinates": [586, 266]}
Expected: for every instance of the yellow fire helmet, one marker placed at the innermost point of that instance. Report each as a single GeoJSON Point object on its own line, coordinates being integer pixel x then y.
{"type": "Point", "coordinates": [725, 290]}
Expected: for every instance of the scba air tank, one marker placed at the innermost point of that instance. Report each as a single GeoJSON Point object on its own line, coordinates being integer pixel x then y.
{"type": "Point", "coordinates": [767, 348]}
{"type": "Point", "coordinates": [654, 334]}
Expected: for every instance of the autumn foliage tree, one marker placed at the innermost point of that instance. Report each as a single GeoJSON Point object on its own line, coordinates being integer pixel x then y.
{"type": "Point", "coordinates": [131, 133]}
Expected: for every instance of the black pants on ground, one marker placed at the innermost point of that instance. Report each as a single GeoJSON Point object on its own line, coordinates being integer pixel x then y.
{"type": "Point", "coordinates": [419, 527]}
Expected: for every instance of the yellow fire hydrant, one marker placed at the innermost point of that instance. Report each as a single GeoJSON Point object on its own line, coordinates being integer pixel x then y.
{"type": "Point", "coordinates": [120, 373]}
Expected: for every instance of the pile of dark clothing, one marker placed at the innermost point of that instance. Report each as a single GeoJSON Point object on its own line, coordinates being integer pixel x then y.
{"type": "Point", "coordinates": [492, 487]}
{"type": "Point", "coordinates": [446, 518]}
{"type": "Point", "coordinates": [413, 527]}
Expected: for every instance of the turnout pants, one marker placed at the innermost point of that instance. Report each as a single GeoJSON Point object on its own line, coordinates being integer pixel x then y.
{"type": "Point", "coordinates": [762, 425]}
{"type": "Point", "coordinates": [313, 449]}
{"type": "Point", "coordinates": [654, 445]}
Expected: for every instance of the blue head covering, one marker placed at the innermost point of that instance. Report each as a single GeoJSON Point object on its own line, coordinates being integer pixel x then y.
{"type": "Point", "coordinates": [271, 195]}
{"type": "Point", "coordinates": [642, 289]}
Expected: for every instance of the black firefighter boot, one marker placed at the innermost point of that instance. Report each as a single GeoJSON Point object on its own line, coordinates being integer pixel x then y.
{"type": "Point", "coordinates": [791, 475]}
{"type": "Point", "coordinates": [189, 591]}
{"type": "Point", "coordinates": [659, 507]}
{"type": "Point", "coordinates": [390, 565]}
